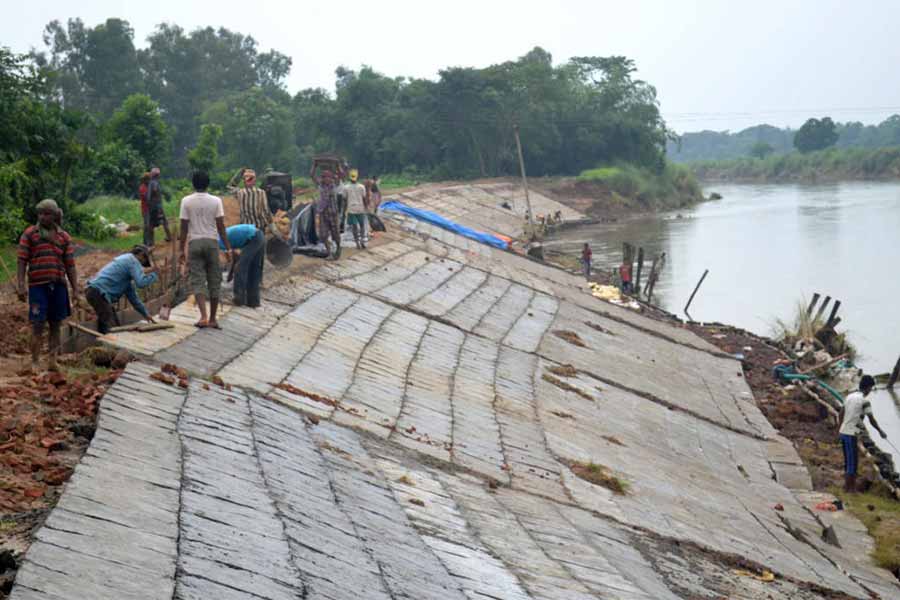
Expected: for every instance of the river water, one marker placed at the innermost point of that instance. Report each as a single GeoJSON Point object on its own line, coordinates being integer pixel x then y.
{"type": "Point", "coordinates": [769, 247]}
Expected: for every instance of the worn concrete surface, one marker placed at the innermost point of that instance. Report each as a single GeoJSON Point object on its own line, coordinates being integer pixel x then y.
{"type": "Point", "coordinates": [398, 427]}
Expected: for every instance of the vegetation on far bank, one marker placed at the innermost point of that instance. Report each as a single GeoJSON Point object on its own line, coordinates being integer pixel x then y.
{"type": "Point", "coordinates": [635, 187]}
{"type": "Point", "coordinates": [762, 140]}
{"type": "Point", "coordinates": [824, 165]}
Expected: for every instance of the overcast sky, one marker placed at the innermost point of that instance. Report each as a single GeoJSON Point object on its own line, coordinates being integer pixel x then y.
{"type": "Point", "coordinates": [716, 64]}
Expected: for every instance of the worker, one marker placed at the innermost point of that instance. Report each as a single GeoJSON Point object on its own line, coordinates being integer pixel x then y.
{"type": "Point", "coordinates": [355, 193]}
{"type": "Point", "coordinates": [248, 246]}
{"type": "Point", "coordinates": [156, 216]}
{"type": "Point", "coordinates": [586, 258]}
{"type": "Point", "coordinates": [625, 276]}
{"type": "Point", "coordinates": [119, 278]}
{"type": "Point", "coordinates": [47, 253]}
{"type": "Point", "coordinates": [856, 407]}
{"type": "Point", "coordinates": [254, 208]}
{"type": "Point", "coordinates": [327, 212]}
{"type": "Point", "coordinates": [142, 195]}
{"type": "Point", "coordinates": [202, 226]}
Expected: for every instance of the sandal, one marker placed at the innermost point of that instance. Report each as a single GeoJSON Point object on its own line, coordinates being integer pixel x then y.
{"type": "Point", "coordinates": [213, 325]}
{"type": "Point", "coordinates": [201, 324]}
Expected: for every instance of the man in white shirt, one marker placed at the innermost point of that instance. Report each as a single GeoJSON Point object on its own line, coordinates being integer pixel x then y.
{"type": "Point", "coordinates": [355, 192]}
{"type": "Point", "coordinates": [856, 408]}
{"type": "Point", "coordinates": [202, 226]}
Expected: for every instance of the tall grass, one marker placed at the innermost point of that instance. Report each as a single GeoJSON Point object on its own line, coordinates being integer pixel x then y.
{"type": "Point", "coordinates": [119, 208]}
{"type": "Point", "coordinates": [849, 163]}
{"type": "Point", "coordinates": [676, 186]}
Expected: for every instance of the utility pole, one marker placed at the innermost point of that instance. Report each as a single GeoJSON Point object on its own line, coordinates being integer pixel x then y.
{"type": "Point", "coordinates": [524, 178]}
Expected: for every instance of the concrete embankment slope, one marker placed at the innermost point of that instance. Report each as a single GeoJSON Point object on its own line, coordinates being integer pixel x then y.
{"type": "Point", "coordinates": [394, 430]}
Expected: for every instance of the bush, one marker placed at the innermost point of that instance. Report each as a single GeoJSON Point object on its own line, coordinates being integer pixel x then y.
{"type": "Point", "coordinates": [12, 224]}
{"type": "Point", "coordinates": [85, 223]}
{"type": "Point", "coordinates": [674, 187]}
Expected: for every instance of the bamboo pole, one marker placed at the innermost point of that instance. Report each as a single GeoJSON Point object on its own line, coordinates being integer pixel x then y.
{"type": "Point", "coordinates": [640, 267]}
{"type": "Point", "coordinates": [524, 179]}
{"type": "Point", "coordinates": [894, 375]}
{"type": "Point", "coordinates": [834, 310]}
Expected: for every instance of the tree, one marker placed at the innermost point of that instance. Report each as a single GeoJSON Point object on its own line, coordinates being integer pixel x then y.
{"type": "Point", "coordinates": [186, 73]}
{"type": "Point", "coordinates": [139, 125]}
{"type": "Point", "coordinates": [95, 69]}
{"type": "Point", "coordinates": [205, 155]}
{"type": "Point", "coordinates": [761, 150]}
{"type": "Point", "coordinates": [256, 130]}
{"type": "Point", "coordinates": [816, 134]}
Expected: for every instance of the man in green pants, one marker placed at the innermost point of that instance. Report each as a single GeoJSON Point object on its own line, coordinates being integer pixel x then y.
{"type": "Point", "coordinates": [202, 225]}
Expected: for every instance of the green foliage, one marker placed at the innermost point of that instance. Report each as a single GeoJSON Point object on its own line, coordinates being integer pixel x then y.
{"type": "Point", "coordinates": [831, 163]}
{"type": "Point", "coordinates": [721, 145]}
{"type": "Point", "coordinates": [256, 131]}
{"type": "Point", "coordinates": [761, 150]}
{"type": "Point", "coordinates": [816, 134]}
{"type": "Point", "coordinates": [205, 155]}
{"type": "Point", "coordinates": [113, 168]}
{"type": "Point", "coordinates": [675, 187]}
{"type": "Point", "coordinates": [85, 223]}
{"type": "Point", "coordinates": [139, 125]}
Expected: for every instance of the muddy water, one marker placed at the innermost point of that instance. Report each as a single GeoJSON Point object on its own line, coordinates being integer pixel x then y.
{"type": "Point", "coordinates": [769, 246]}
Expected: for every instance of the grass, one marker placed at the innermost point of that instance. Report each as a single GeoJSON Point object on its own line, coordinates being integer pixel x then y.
{"type": "Point", "coordinates": [8, 254]}
{"type": "Point", "coordinates": [804, 326]}
{"type": "Point", "coordinates": [881, 516]}
{"type": "Point", "coordinates": [119, 208]}
{"type": "Point", "coordinates": [675, 187]}
{"type": "Point", "coordinates": [831, 163]}
{"type": "Point", "coordinates": [599, 475]}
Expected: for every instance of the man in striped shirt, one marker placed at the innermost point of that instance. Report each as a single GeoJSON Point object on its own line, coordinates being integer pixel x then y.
{"type": "Point", "coordinates": [254, 207]}
{"type": "Point", "coordinates": [46, 252]}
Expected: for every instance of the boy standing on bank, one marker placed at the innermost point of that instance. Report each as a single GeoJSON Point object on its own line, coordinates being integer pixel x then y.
{"type": "Point", "coordinates": [856, 408]}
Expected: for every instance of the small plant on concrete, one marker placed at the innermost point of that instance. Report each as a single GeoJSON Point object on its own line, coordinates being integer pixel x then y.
{"type": "Point", "coordinates": [599, 475]}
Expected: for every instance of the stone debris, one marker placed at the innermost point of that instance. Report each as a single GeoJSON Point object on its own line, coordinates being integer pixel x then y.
{"type": "Point", "coordinates": [394, 430]}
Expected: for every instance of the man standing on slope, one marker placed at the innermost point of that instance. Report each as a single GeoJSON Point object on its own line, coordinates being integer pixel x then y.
{"type": "Point", "coordinates": [856, 408]}
{"type": "Point", "coordinates": [586, 258]}
{"type": "Point", "coordinates": [156, 216]}
{"type": "Point", "coordinates": [254, 207]}
{"type": "Point", "coordinates": [355, 193]}
{"type": "Point", "coordinates": [327, 211]}
{"type": "Point", "coordinates": [48, 255]}
{"type": "Point", "coordinates": [202, 225]}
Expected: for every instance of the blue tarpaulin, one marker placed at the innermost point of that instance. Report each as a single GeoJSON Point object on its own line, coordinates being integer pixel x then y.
{"type": "Point", "coordinates": [436, 219]}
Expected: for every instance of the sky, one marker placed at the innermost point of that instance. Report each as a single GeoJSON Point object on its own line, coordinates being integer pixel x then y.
{"type": "Point", "coordinates": [721, 65]}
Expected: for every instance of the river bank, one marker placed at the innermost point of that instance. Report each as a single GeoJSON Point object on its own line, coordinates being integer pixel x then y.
{"type": "Point", "coordinates": [832, 165]}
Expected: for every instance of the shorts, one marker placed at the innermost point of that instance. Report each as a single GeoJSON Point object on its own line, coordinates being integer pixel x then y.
{"type": "Point", "coordinates": [204, 268]}
{"type": "Point", "coordinates": [851, 453]}
{"type": "Point", "coordinates": [156, 216]}
{"type": "Point", "coordinates": [48, 302]}
{"type": "Point", "coordinates": [356, 219]}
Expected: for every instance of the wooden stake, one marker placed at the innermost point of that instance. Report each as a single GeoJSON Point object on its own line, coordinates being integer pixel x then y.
{"type": "Point", "coordinates": [822, 308]}
{"type": "Point", "coordinates": [691, 299]}
{"type": "Point", "coordinates": [651, 280]}
{"type": "Point", "coordinates": [894, 375]}
{"type": "Point", "coordinates": [640, 267]}
{"type": "Point", "coordinates": [812, 305]}
{"type": "Point", "coordinates": [834, 310]}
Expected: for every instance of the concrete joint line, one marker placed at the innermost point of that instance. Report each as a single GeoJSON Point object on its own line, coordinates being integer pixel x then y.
{"type": "Point", "coordinates": [520, 316]}
{"type": "Point", "coordinates": [406, 386]}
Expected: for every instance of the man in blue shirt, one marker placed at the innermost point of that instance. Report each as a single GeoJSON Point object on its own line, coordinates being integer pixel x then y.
{"type": "Point", "coordinates": [246, 263]}
{"type": "Point", "coordinates": [118, 278]}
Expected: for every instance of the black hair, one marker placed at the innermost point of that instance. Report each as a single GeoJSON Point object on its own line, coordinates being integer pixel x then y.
{"type": "Point", "coordinates": [200, 180]}
{"type": "Point", "coordinates": [866, 383]}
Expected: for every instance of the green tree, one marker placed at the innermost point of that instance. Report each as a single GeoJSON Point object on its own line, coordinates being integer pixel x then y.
{"type": "Point", "coordinates": [761, 150]}
{"type": "Point", "coordinates": [95, 69]}
{"type": "Point", "coordinates": [139, 125]}
{"type": "Point", "coordinates": [205, 155]}
{"type": "Point", "coordinates": [186, 72]}
{"type": "Point", "coordinates": [256, 130]}
{"type": "Point", "coordinates": [816, 134]}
